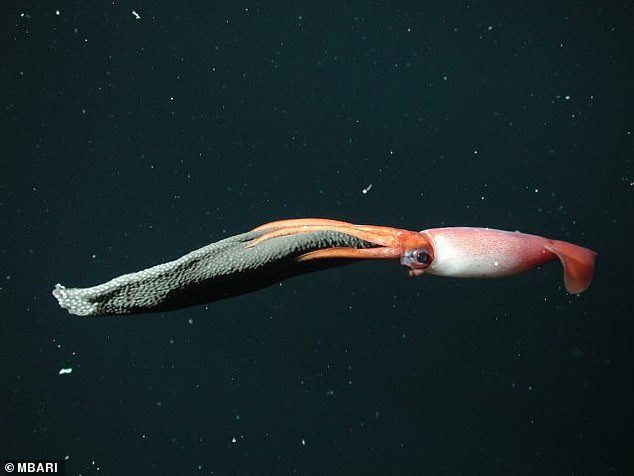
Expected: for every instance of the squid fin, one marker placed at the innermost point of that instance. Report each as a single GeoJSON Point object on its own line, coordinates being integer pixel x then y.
{"type": "Point", "coordinates": [578, 263]}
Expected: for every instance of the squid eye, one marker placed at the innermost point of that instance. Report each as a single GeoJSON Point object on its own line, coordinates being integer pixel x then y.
{"type": "Point", "coordinates": [422, 257]}
{"type": "Point", "coordinates": [417, 259]}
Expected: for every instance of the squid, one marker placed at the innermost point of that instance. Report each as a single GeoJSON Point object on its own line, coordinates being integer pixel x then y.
{"type": "Point", "coordinates": [281, 249]}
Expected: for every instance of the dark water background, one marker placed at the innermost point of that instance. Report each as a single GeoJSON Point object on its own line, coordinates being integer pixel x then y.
{"type": "Point", "coordinates": [126, 142]}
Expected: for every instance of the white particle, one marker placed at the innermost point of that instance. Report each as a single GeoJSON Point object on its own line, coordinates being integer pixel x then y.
{"type": "Point", "coordinates": [57, 12]}
{"type": "Point", "coordinates": [366, 189]}
{"type": "Point", "coordinates": [496, 264]}
{"type": "Point", "coordinates": [65, 370]}
{"type": "Point", "coordinates": [136, 15]}
{"type": "Point", "coordinates": [303, 442]}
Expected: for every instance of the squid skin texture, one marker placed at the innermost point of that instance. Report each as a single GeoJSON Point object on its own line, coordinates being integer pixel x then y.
{"type": "Point", "coordinates": [217, 271]}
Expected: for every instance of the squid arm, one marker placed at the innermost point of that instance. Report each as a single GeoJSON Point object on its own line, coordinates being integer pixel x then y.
{"type": "Point", "coordinates": [282, 249]}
